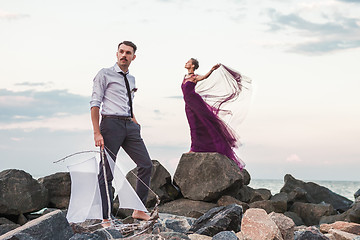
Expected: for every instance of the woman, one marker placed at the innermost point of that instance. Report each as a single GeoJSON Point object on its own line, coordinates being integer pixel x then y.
{"type": "Point", "coordinates": [208, 132]}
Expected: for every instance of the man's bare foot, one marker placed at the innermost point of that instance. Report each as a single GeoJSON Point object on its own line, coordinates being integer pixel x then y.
{"type": "Point", "coordinates": [140, 215]}
{"type": "Point", "coordinates": [106, 223]}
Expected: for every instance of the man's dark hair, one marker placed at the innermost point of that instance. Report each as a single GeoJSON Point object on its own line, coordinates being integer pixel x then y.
{"type": "Point", "coordinates": [195, 62]}
{"type": "Point", "coordinates": [128, 43]}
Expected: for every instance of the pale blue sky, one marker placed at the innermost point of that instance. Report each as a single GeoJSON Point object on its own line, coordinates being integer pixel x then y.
{"type": "Point", "coordinates": [302, 55]}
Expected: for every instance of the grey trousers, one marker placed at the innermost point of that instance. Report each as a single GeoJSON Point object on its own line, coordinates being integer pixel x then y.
{"type": "Point", "coordinates": [126, 134]}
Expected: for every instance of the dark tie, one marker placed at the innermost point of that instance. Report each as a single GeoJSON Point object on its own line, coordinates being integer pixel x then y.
{"type": "Point", "coordinates": [129, 93]}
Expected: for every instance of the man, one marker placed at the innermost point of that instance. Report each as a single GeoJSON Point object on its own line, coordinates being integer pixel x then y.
{"type": "Point", "coordinates": [114, 88]}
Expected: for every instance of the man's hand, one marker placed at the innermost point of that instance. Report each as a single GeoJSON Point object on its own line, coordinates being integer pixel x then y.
{"type": "Point", "coordinates": [99, 140]}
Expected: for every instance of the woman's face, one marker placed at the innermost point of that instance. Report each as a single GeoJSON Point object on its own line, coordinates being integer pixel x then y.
{"type": "Point", "coordinates": [188, 64]}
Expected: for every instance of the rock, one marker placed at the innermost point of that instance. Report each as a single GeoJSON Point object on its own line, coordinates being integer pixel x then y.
{"type": "Point", "coordinates": [297, 220]}
{"type": "Point", "coordinates": [246, 177]}
{"type": "Point", "coordinates": [22, 219]}
{"type": "Point", "coordinates": [338, 234]}
{"type": "Point", "coordinates": [163, 235]}
{"type": "Point", "coordinates": [357, 194]}
{"type": "Point", "coordinates": [354, 213]}
{"type": "Point", "coordinates": [310, 233]}
{"type": "Point", "coordinates": [160, 184]}
{"type": "Point", "coordinates": [297, 195]}
{"type": "Point", "coordinates": [264, 193]}
{"type": "Point", "coordinates": [4, 228]}
{"type": "Point", "coordinates": [353, 228]}
{"type": "Point", "coordinates": [207, 176]}
{"type": "Point", "coordinates": [5, 221]}
{"type": "Point", "coordinates": [311, 213]}
{"type": "Point", "coordinates": [186, 207]}
{"type": "Point", "coordinates": [218, 219]}
{"type": "Point", "coordinates": [86, 236]}
{"type": "Point", "coordinates": [265, 204]}
{"type": "Point", "coordinates": [199, 237]}
{"type": "Point", "coordinates": [257, 225]}
{"type": "Point", "coordinates": [316, 193]}
{"type": "Point", "coordinates": [279, 202]}
{"type": "Point", "coordinates": [20, 193]}
{"type": "Point", "coordinates": [285, 224]}
{"type": "Point", "coordinates": [59, 188]}
{"type": "Point", "coordinates": [245, 194]}
{"type": "Point", "coordinates": [108, 233]}
{"type": "Point", "coordinates": [225, 235]}
{"type": "Point", "coordinates": [175, 223]}
{"type": "Point", "coordinates": [50, 226]}
{"type": "Point", "coordinates": [228, 200]}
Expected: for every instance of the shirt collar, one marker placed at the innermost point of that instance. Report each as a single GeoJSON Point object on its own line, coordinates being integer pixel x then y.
{"type": "Point", "coordinates": [118, 69]}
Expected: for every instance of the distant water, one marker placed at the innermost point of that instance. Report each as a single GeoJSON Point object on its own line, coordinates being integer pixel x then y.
{"type": "Point", "coordinates": [343, 188]}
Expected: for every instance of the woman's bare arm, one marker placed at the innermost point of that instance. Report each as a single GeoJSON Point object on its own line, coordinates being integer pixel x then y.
{"type": "Point", "coordinates": [200, 78]}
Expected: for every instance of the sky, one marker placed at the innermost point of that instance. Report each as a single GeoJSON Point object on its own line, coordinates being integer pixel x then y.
{"type": "Point", "coordinates": [302, 56]}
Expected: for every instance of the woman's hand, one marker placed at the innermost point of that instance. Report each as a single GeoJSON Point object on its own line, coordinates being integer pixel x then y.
{"type": "Point", "coordinates": [215, 67]}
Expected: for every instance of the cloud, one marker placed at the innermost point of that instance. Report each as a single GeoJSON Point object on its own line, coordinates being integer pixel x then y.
{"type": "Point", "coordinates": [349, 1]}
{"type": "Point", "coordinates": [293, 158]}
{"type": "Point", "coordinates": [12, 16]}
{"type": "Point", "coordinates": [33, 84]}
{"type": "Point", "coordinates": [30, 105]}
{"type": "Point", "coordinates": [325, 32]}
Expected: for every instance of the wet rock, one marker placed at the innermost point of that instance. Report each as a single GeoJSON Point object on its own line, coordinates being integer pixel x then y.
{"type": "Point", "coordinates": [316, 193]}
{"type": "Point", "coordinates": [311, 213]}
{"type": "Point", "coordinates": [20, 193]}
{"type": "Point", "coordinates": [50, 226]}
{"type": "Point", "coordinates": [285, 224]}
{"type": "Point", "coordinates": [59, 189]}
{"type": "Point", "coordinates": [257, 225]}
{"type": "Point", "coordinates": [217, 220]}
{"type": "Point", "coordinates": [357, 194]}
{"type": "Point", "coordinates": [186, 207]}
{"type": "Point", "coordinates": [160, 183]}
{"type": "Point", "coordinates": [207, 176]}
{"type": "Point", "coordinates": [310, 233]}
{"type": "Point", "coordinates": [87, 236]}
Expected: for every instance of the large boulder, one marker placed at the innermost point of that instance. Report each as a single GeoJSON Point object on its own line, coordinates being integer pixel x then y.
{"type": "Point", "coordinates": [207, 176]}
{"type": "Point", "coordinates": [59, 188]}
{"type": "Point", "coordinates": [316, 193]}
{"type": "Point", "coordinates": [257, 225]}
{"type": "Point", "coordinates": [50, 226]}
{"type": "Point", "coordinates": [186, 207]}
{"type": "Point", "coordinates": [20, 193]}
{"type": "Point", "coordinates": [160, 183]}
{"type": "Point", "coordinates": [351, 215]}
{"type": "Point", "coordinates": [217, 220]}
{"type": "Point", "coordinates": [311, 213]}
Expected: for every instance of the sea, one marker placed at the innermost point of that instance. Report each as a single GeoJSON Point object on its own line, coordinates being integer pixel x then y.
{"type": "Point", "coordinates": [344, 188]}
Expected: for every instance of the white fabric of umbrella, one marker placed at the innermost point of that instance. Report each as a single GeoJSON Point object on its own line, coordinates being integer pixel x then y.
{"type": "Point", "coordinates": [85, 200]}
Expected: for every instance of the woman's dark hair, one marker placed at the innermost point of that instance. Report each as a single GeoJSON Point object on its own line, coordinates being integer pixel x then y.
{"type": "Point", "coordinates": [128, 43]}
{"type": "Point", "coordinates": [195, 62]}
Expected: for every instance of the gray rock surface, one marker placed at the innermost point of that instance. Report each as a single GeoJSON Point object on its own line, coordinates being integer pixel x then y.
{"type": "Point", "coordinates": [316, 193]}
{"type": "Point", "coordinates": [160, 183]}
{"type": "Point", "coordinates": [217, 220]}
{"type": "Point", "coordinates": [59, 189]}
{"type": "Point", "coordinates": [20, 193]}
{"type": "Point", "coordinates": [207, 176]}
{"type": "Point", "coordinates": [50, 226]}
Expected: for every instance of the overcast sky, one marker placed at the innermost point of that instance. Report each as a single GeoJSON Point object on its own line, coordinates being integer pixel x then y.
{"type": "Point", "coordinates": [302, 55]}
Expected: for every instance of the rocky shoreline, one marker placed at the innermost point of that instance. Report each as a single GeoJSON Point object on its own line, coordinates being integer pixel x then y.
{"type": "Point", "coordinates": [208, 198]}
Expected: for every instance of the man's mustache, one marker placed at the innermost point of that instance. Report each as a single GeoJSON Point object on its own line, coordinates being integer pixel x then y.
{"type": "Point", "coordinates": [123, 59]}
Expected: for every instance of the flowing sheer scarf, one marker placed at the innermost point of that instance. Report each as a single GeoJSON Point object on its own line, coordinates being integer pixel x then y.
{"type": "Point", "coordinates": [228, 93]}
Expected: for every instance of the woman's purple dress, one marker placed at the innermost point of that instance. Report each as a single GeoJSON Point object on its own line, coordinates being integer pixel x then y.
{"type": "Point", "coordinates": [208, 132]}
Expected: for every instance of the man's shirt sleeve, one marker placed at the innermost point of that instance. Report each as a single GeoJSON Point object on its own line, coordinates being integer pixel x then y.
{"type": "Point", "coordinates": [99, 86]}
